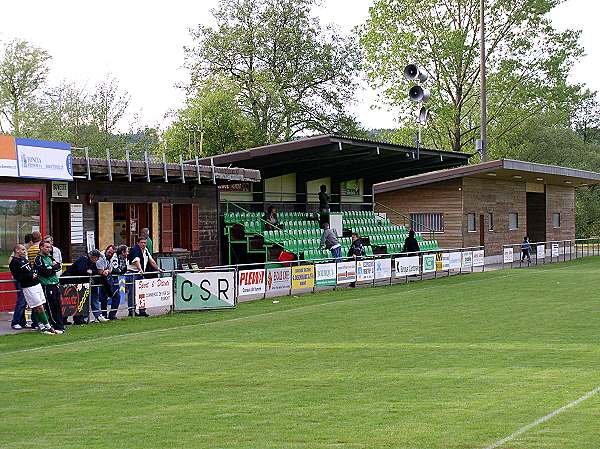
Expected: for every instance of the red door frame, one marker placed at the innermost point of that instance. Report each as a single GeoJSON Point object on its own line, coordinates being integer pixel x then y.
{"type": "Point", "coordinates": [36, 192]}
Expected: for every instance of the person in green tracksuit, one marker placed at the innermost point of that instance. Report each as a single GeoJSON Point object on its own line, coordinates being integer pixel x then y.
{"type": "Point", "coordinates": [47, 269]}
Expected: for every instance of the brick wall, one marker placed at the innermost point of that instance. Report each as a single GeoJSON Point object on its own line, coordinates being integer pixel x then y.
{"type": "Point", "coordinates": [441, 197]}
{"type": "Point", "coordinates": [562, 200]}
{"type": "Point", "coordinates": [209, 238]}
{"type": "Point", "coordinates": [481, 196]}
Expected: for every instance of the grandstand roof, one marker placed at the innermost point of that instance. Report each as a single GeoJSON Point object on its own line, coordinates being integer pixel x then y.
{"type": "Point", "coordinates": [324, 155]}
{"type": "Point", "coordinates": [506, 169]}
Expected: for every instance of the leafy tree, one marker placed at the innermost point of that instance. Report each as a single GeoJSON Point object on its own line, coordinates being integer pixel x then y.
{"type": "Point", "coordinates": [527, 62]}
{"type": "Point", "coordinates": [291, 75]}
{"type": "Point", "coordinates": [23, 70]}
{"type": "Point", "coordinates": [213, 118]}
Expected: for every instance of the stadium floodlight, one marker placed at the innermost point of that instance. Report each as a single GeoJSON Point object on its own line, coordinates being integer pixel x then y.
{"type": "Point", "coordinates": [412, 72]}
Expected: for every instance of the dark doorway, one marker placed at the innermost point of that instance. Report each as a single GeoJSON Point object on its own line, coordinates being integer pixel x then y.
{"type": "Point", "coordinates": [481, 230]}
{"type": "Point", "coordinates": [182, 226]}
{"type": "Point", "coordinates": [536, 216]}
{"type": "Point", "coordinates": [61, 228]}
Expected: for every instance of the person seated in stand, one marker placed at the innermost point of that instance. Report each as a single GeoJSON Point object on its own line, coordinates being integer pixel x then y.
{"type": "Point", "coordinates": [410, 244]}
{"type": "Point", "coordinates": [271, 219]}
{"type": "Point", "coordinates": [285, 256]}
{"type": "Point", "coordinates": [356, 248]}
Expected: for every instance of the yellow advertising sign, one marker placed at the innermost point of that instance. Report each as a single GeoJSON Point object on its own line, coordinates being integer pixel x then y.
{"type": "Point", "coordinates": [438, 262]}
{"type": "Point", "coordinates": [303, 277]}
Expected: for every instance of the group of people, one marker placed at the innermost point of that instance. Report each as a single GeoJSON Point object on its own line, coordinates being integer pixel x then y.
{"type": "Point", "coordinates": [36, 266]}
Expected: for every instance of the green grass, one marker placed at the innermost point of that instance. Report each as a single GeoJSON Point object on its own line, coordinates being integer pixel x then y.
{"type": "Point", "coordinates": [450, 363]}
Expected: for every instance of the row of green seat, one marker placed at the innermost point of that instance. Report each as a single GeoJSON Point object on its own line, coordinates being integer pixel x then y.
{"type": "Point", "coordinates": [358, 213]}
{"type": "Point", "coordinates": [291, 234]}
{"type": "Point", "coordinates": [313, 254]}
{"type": "Point", "coordinates": [300, 224]}
{"type": "Point", "coordinates": [370, 230]}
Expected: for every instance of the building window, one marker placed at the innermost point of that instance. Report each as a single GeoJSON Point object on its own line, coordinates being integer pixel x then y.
{"type": "Point", "coordinates": [556, 220]}
{"type": "Point", "coordinates": [513, 221]}
{"type": "Point", "coordinates": [471, 223]}
{"type": "Point", "coordinates": [427, 222]}
{"type": "Point", "coordinates": [490, 221]}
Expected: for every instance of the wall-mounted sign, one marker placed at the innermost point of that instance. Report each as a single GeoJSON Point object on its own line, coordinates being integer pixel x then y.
{"type": "Point", "coordinates": [350, 188]}
{"type": "Point", "coordinates": [31, 158]}
{"type": "Point", "coordinates": [76, 223]}
{"type": "Point", "coordinates": [236, 187]}
{"type": "Point", "coordinates": [60, 189]}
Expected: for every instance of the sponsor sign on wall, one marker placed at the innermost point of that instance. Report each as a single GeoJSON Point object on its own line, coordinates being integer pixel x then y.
{"type": "Point", "coordinates": [279, 279]}
{"type": "Point", "coordinates": [555, 250]}
{"type": "Point", "coordinates": [303, 277]}
{"type": "Point", "coordinates": [44, 160]}
{"type": "Point", "coordinates": [508, 255]}
{"type": "Point", "coordinates": [75, 299]}
{"type": "Point", "coordinates": [206, 290]}
{"type": "Point", "coordinates": [454, 260]}
{"type": "Point", "coordinates": [478, 258]}
{"type": "Point", "coordinates": [325, 274]}
{"type": "Point", "coordinates": [467, 260]}
{"type": "Point", "coordinates": [346, 272]}
{"type": "Point", "coordinates": [154, 292]}
{"type": "Point", "coordinates": [541, 251]}
{"type": "Point", "coordinates": [365, 270]}
{"type": "Point", "coordinates": [251, 282]}
{"type": "Point", "coordinates": [407, 266]}
{"type": "Point", "coordinates": [428, 263]}
{"type": "Point", "coordinates": [60, 189]}
{"type": "Point", "coordinates": [383, 268]}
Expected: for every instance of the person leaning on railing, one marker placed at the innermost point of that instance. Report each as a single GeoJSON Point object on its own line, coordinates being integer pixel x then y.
{"type": "Point", "coordinates": [410, 244]}
{"type": "Point", "coordinates": [139, 260]}
{"type": "Point", "coordinates": [118, 266]}
{"type": "Point", "coordinates": [329, 240]}
{"type": "Point", "coordinates": [84, 266]}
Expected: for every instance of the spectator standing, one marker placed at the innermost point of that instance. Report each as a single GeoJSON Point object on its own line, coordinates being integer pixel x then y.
{"type": "Point", "coordinates": [271, 219]}
{"type": "Point", "coordinates": [329, 240]}
{"type": "Point", "coordinates": [56, 253]}
{"type": "Point", "coordinates": [19, 320]}
{"type": "Point", "coordinates": [140, 260]}
{"type": "Point", "coordinates": [526, 250]}
{"type": "Point", "coordinates": [47, 269]}
{"type": "Point", "coordinates": [410, 244]}
{"type": "Point", "coordinates": [106, 289]}
{"type": "Point", "coordinates": [356, 249]}
{"type": "Point", "coordinates": [86, 266]}
{"type": "Point", "coordinates": [146, 234]}
{"type": "Point", "coordinates": [22, 272]}
{"type": "Point", "coordinates": [118, 266]}
{"type": "Point", "coordinates": [324, 199]}
{"type": "Point", "coordinates": [34, 248]}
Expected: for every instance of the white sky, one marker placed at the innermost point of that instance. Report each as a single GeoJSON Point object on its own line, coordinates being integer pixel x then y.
{"type": "Point", "coordinates": [141, 44]}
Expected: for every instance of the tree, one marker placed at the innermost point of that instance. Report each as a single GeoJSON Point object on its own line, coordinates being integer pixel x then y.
{"type": "Point", "coordinates": [527, 62]}
{"type": "Point", "coordinates": [214, 117]}
{"type": "Point", "coordinates": [23, 70]}
{"type": "Point", "coordinates": [109, 105]}
{"type": "Point", "coordinates": [586, 118]}
{"type": "Point", "coordinates": [291, 75]}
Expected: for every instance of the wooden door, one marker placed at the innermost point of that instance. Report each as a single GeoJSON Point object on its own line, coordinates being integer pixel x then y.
{"type": "Point", "coordinates": [482, 230]}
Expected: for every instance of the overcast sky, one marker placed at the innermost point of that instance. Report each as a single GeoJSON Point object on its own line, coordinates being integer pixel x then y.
{"type": "Point", "coordinates": [141, 44]}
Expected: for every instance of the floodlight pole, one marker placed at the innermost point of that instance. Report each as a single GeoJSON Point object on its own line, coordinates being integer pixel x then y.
{"type": "Point", "coordinates": [483, 120]}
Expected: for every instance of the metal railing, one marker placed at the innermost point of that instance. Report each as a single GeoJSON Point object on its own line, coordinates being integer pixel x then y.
{"type": "Point", "coordinates": [549, 251]}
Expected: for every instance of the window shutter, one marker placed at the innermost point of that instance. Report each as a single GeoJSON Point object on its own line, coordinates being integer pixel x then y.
{"type": "Point", "coordinates": [166, 228]}
{"type": "Point", "coordinates": [195, 227]}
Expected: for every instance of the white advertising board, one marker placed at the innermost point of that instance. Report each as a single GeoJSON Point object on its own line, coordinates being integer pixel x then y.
{"type": "Point", "coordinates": [325, 274]}
{"type": "Point", "coordinates": [206, 290]}
{"type": "Point", "coordinates": [455, 260]}
{"type": "Point", "coordinates": [541, 251]}
{"type": "Point", "coordinates": [154, 292]}
{"type": "Point", "coordinates": [508, 255]}
{"type": "Point", "coordinates": [251, 282]}
{"type": "Point", "coordinates": [383, 268]}
{"type": "Point", "coordinates": [467, 260]}
{"type": "Point", "coordinates": [478, 258]}
{"type": "Point", "coordinates": [555, 250]}
{"type": "Point", "coordinates": [346, 272]}
{"type": "Point", "coordinates": [279, 279]}
{"type": "Point", "coordinates": [428, 263]}
{"type": "Point", "coordinates": [407, 266]}
{"type": "Point", "coordinates": [44, 160]}
{"type": "Point", "coordinates": [365, 270]}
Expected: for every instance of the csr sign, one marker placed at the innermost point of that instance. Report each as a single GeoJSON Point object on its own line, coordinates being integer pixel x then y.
{"type": "Point", "coordinates": [207, 290]}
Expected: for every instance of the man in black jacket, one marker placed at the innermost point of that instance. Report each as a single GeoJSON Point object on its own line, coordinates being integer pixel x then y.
{"type": "Point", "coordinates": [32, 290]}
{"type": "Point", "coordinates": [85, 266]}
{"type": "Point", "coordinates": [410, 244]}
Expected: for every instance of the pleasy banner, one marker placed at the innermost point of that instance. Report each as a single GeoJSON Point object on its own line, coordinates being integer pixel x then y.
{"type": "Point", "coordinates": [279, 279]}
{"type": "Point", "coordinates": [407, 266]}
{"type": "Point", "coordinates": [154, 293]}
{"type": "Point", "coordinates": [205, 290]}
{"type": "Point", "coordinates": [428, 263]}
{"type": "Point", "coordinates": [75, 299]}
{"type": "Point", "coordinates": [251, 282]}
{"type": "Point", "coordinates": [383, 268]}
{"type": "Point", "coordinates": [478, 258]}
{"type": "Point", "coordinates": [346, 272]}
{"type": "Point", "coordinates": [325, 274]}
{"type": "Point", "coordinates": [303, 277]}
{"type": "Point", "coordinates": [365, 270]}
{"type": "Point", "coordinates": [508, 255]}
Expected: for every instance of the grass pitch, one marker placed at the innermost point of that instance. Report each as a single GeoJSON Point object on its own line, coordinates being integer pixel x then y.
{"type": "Point", "coordinates": [452, 363]}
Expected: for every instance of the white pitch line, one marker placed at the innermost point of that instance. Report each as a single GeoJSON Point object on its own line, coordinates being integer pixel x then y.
{"type": "Point", "coordinates": [543, 419]}
{"type": "Point", "coordinates": [166, 329]}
